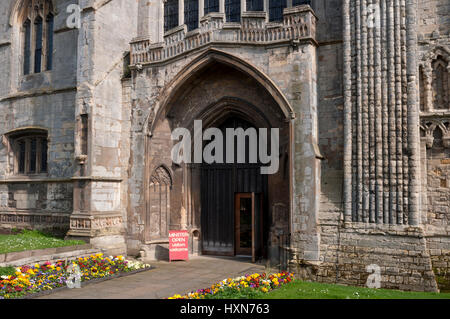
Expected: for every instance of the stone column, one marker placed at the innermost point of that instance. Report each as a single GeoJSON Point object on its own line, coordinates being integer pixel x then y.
{"type": "Point", "coordinates": [222, 6]}
{"type": "Point", "coordinates": [380, 112]}
{"type": "Point", "coordinates": [305, 240]}
{"type": "Point", "coordinates": [201, 9]}
{"type": "Point", "coordinates": [180, 12]}
{"type": "Point", "coordinates": [413, 115]}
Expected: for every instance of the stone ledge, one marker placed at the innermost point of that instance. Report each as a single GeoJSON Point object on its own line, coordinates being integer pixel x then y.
{"type": "Point", "coordinates": [21, 258]}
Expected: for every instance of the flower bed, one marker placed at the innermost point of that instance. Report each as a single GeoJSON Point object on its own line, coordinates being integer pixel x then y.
{"type": "Point", "coordinates": [48, 276]}
{"type": "Point", "coordinates": [249, 285]}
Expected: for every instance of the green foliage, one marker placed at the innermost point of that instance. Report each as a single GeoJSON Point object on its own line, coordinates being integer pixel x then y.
{"type": "Point", "coordinates": [32, 239]}
{"type": "Point", "coordinates": [7, 271]}
{"type": "Point", "coordinates": [313, 290]}
{"type": "Point", "coordinates": [243, 293]}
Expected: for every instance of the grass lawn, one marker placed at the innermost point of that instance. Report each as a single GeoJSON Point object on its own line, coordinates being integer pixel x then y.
{"type": "Point", "coordinates": [32, 239]}
{"type": "Point", "coordinates": [312, 290]}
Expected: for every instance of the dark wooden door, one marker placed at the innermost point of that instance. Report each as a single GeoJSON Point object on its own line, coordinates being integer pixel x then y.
{"type": "Point", "coordinates": [219, 185]}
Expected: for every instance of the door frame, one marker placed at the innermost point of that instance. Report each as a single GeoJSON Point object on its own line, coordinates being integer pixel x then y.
{"type": "Point", "coordinates": [237, 197]}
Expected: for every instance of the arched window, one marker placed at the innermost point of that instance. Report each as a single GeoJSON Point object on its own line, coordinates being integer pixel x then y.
{"type": "Point", "coordinates": [37, 32]}
{"type": "Point", "coordinates": [211, 6]}
{"type": "Point", "coordinates": [37, 44]}
{"type": "Point", "coordinates": [170, 14]}
{"type": "Point", "coordinates": [276, 9]}
{"type": "Point", "coordinates": [158, 213]}
{"type": "Point", "coordinates": [26, 46]}
{"type": "Point", "coordinates": [30, 148]}
{"type": "Point", "coordinates": [440, 84]}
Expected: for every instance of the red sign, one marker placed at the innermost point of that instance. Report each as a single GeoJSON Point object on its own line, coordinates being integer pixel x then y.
{"type": "Point", "coordinates": [178, 245]}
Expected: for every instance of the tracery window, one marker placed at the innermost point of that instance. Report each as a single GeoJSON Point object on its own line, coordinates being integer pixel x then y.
{"type": "Point", "coordinates": [440, 84]}
{"type": "Point", "coordinates": [37, 35]}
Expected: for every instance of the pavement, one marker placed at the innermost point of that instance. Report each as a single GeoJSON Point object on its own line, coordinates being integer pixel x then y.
{"type": "Point", "coordinates": [167, 279]}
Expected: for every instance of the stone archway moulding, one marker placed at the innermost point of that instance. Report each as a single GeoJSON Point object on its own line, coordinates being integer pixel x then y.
{"type": "Point", "coordinates": [205, 59]}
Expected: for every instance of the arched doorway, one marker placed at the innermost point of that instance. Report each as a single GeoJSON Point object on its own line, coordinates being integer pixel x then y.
{"type": "Point", "coordinates": [206, 199]}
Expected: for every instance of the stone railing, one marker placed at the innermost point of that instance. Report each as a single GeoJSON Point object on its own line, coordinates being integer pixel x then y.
{"type": "Point", "coordinates": [299, 23]}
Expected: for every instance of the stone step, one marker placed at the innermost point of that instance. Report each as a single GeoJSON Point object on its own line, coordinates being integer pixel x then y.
{"type": "Point", "coordinates": [39, 256]}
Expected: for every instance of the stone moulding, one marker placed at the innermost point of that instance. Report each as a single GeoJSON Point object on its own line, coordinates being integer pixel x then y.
{"type": "Point", "coordinates": [53, 219]}
{"type": "Point", "coordinates": [299, 23]}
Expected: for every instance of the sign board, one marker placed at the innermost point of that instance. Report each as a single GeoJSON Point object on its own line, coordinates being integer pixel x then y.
{"type": "Point", "coordinates": [178, 245]}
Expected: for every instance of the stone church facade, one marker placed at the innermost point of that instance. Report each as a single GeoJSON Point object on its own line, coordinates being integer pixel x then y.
{"type": "Point", "coordinates": [91, 91]}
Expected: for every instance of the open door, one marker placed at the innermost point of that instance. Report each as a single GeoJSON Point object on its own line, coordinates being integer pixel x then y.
{"type": "Point", "coordinates": [248, 225]}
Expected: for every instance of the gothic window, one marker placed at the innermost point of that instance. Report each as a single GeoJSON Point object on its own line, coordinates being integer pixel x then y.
{"type": "Point", "coordinates": [37, 33]}
{"type": "Point", "coordinates": [26, 47]}
{"type": "Point", "coordinates": [170, 14]}
{"type": "Point", "coordinates": [158, 216]}
{"type": "Point", "coordinates": [191, 14]}
{"type": "Point", "coordinates": [276, 9]}
{"type": "Point", "coordinates": [255, 5]}
{"type": "Point", "coordinates": [440, 84]}
{"type": "Point", "coordinates": [37, 44]}
{"type": "Point", "coordinates": [211, 6]}
{"type": "Point", "coordinates": [30, 151]}
{"type": "Point", "coordinates": [233, 10]}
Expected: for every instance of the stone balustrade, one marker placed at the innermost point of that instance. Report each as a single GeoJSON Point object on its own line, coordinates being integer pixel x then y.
{"type": "Point", "coordinates": [299, 23]}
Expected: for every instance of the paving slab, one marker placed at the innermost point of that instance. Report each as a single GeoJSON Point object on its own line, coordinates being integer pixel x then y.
{"type": "Point", "coordinates": [167, 279]}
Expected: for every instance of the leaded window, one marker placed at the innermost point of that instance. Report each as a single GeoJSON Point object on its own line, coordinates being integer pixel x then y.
{"type": "Point", "coordinates": [26, 47]}
{"type": "Point", "coordinates": [255, 5]}
{"type": "Point", "coordinates": [30, 151]}
{"type": "Point", "coordinates": [191, 14]}
{"type": "Point", "coordinates": [276, 9]}
{"type": "Point", "coordinates": [170, 14]}
{"type": "Point", "coordinates": [38, 44]}
{"type": "Point", "coordinates": [211, 6]}
{"type": "Point", "coordinates": [37, 33]}
{"type": "Point", "coordinates": [233, 10]}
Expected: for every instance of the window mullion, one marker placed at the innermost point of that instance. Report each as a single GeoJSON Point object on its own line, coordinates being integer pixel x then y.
{"type": "Point", "coordinates": [38, 155]}
{"type": "Point", "coordinates": [27, 155]}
